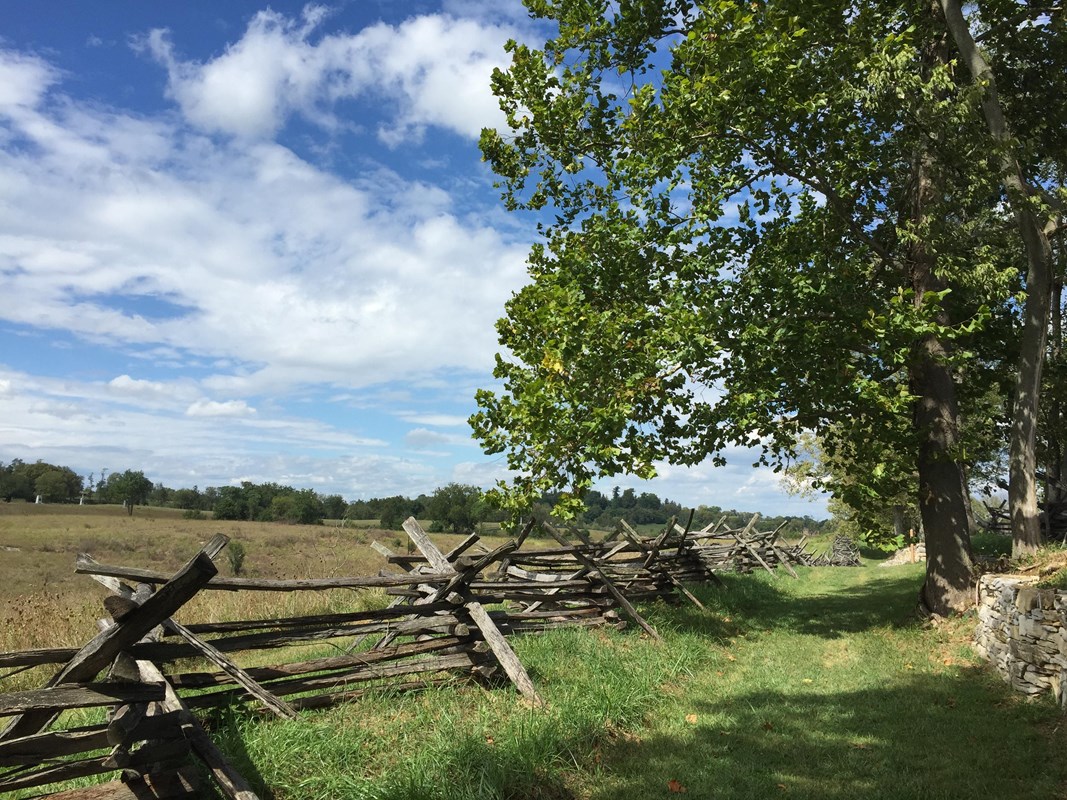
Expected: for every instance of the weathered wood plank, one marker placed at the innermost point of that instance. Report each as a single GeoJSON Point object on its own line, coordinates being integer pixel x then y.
{"type": "Point", "coordinates": [371, 672]}
{"type": "Point", "coordinates": [103, 648]}
{"type": "Point", "coordinates": [81, 695]}
{"type": "Point", "coordinates": [654, 551]}
{"type": "Point", "coordinates": [226, 777]}
{"type": "Point", "coordinates": [426, 546]}
{"type": "Point", "coordinates": [160, 786]}
{"type": "Point", "coordinates": [380, 548]}
{"type": "Point", "coordinates": [501, 649]}
{"type": "Point", "coordinates": [169, 752]}
{"type": "Point", "coordinates": [196, 680]}
{"type": "Point", "coordinates": [259, 584]}
{"type": "Point", "coordinates": [212, 654]}
{"type": "Point", "coordinates": [328, 699]}
{"type": "Point", "coordinates": [503, 652]}
{"type": "Point", "coordinates": [584, 560]}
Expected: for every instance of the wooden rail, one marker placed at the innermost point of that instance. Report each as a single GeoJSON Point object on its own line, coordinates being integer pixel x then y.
{"type": "Point", "coordinates": [449, 619]}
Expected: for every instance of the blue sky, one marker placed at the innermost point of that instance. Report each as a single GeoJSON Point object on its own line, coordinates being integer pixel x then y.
{"type": "Point", "coordinates": [258, 243]}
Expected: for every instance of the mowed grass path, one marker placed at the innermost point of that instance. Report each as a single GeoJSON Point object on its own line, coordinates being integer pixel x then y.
{"type": "Point", "coordinates": [826, 687]}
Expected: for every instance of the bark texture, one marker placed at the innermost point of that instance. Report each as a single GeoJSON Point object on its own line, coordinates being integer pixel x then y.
{"type": "Point", "coordinates": [1022, 451]}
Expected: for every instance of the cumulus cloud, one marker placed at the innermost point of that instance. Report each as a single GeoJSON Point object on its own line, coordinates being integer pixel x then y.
{"type": "Point", "coordinates": [428, 70]}
{"type": "Point", "coordinates": [264, 261]}
{"type": "Point", "coordinates": [23, 80]}
{"type": "Point", "coordinates": [213, 408]}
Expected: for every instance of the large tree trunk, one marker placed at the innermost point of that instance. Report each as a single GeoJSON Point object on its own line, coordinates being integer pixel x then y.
{"type": "Point", "coordinates": [1055, 461]}
{"type": "Point", "coordinates": [943, 497]}
{"type": "Point", "coordinates": [944, 502]}
{"type": "Point", "coordinates": [1022, 452]}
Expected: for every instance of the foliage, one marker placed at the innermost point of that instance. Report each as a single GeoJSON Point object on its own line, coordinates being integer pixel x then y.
{"type": "Point", "coordinates": [130, 487]}
{"type": "Point", "coordinates": [394, 510]}
{"type": "Point", "coordinates": [269, 502]}
{"type": "Point", "coordinates": [726, 264]}
{"type": "Point", "coordinates": [22, 481]}
{"type": "Point", "coordinates": [235, 556]}
{"type": "Point", "coordinates": [334, 506]}
{"type": "Point", "coordinates": [455, 507]}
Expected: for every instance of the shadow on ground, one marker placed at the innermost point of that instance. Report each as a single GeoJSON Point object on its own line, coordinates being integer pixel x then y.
{"type": "Point", "coordinates": [956, 732]}
{"type": "Point", "coordinates": [932, 736]}
{"type": "Point", "coordinates": [757, 603]}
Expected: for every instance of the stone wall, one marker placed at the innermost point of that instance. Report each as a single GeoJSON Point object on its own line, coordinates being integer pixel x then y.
{"type": "Point", "coordinates": [1022, 631]}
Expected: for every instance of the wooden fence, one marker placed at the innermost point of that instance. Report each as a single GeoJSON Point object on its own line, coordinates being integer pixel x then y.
{"type": "Point", "coordinates": [437, 628]}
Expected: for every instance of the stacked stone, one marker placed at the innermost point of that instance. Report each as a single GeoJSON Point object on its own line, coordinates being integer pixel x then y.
{"type": "Point", "coordinates": [1022, 631]}
{"type": "Point", "coordinates": [907, 555]}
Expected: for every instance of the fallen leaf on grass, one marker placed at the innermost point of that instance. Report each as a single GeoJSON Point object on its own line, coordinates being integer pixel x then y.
{"type": "Point", "coordinates": [691, 719]}
{"type": "Point", "coordinates": [807, 680]}
{"type": "Point", "coordinates": [676, 786]}
{"type": "Point", "coordinates": [781, 786]}
{"type": "Point", "coordinates": [767, 726]}
{"type": "Point", "coordinates": [730, 658]}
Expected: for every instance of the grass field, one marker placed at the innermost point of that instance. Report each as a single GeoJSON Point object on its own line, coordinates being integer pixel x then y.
{"type": "Point", "coordinates": [823, 687]}
{"type": "Point", "coordinates": [39, 545]}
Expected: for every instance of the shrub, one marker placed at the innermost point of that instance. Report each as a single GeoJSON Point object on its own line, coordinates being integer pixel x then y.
{"type": "Point", "coordinates": [235, 554]}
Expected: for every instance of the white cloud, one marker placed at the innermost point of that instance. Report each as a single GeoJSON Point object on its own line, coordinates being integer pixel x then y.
{"type": "Point", "coordinates": [429, 70]}
{"type": "Point", "coordinates": [436, 420]}
{"type": "Point", "coordinates": [424, 438]}
{"type": "Point", "coordinates": [212, 408]}
{"type": "Point", "coordinates": [23, 80]}
{"type": "Point", "coordinates": [124, 384]}
{"type": "Point", "coordinates": [264, 261]}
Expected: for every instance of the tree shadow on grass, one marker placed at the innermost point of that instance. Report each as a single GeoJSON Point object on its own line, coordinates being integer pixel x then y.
{"type": "Point", "coordinates": [758, 603]}
{"type": "Point", "coordinates": [930, 736]}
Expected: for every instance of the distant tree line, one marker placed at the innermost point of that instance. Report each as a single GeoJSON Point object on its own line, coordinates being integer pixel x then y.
{"type": "Point", "coordinates": [454, 508]}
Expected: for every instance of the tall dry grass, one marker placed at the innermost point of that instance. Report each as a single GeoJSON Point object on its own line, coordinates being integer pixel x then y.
{"type": "Point", "coordinates": [44, 604]}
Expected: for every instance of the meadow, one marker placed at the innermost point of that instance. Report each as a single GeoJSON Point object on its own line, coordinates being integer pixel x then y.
{"type": "Point", "coordinates": [822, 687]}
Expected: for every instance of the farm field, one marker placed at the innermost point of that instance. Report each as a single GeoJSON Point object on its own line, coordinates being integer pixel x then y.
{"type": "Point", "coordinates": [822, 687]}
{"type": "Point", "coordinates": [39, 545]}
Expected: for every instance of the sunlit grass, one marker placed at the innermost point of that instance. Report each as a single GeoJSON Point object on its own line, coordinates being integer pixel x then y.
{"type": "Point", "coordinates": [823, 687]}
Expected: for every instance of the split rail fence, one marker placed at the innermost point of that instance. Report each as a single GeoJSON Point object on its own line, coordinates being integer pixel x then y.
{"type": "Point", "coordinates": [448, 619]}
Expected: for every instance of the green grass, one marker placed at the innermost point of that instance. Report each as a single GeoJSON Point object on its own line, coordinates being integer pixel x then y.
{"type": "Point", "coordinates": [824, 687]}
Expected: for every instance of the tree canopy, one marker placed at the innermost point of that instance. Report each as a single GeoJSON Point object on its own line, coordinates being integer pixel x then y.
{"type": "Point", "coordinates": [759, 220]}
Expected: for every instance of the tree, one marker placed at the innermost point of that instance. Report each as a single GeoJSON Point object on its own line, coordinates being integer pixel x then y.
{"type": "Point", "coordinates": [130, 487]}
{"type": "Point", "coordinates": [57, 486]}
{"type": "Point", "coordinates": [455, 507]}
{"type": "Point", "coordinates": [300, 507]}
{"type": "Point", "coordinates": [758, 220]}
{"type": "Point", "coordinates": [189, 499]}
{"type": "Point", "coordinates": [334, 506]}
{"type": "Point", "coordinates": [229, 503]}
{"type": "Point", "coordinates": [1034, 210]}
{"type": "Point", "coordinates": [394, 510]}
